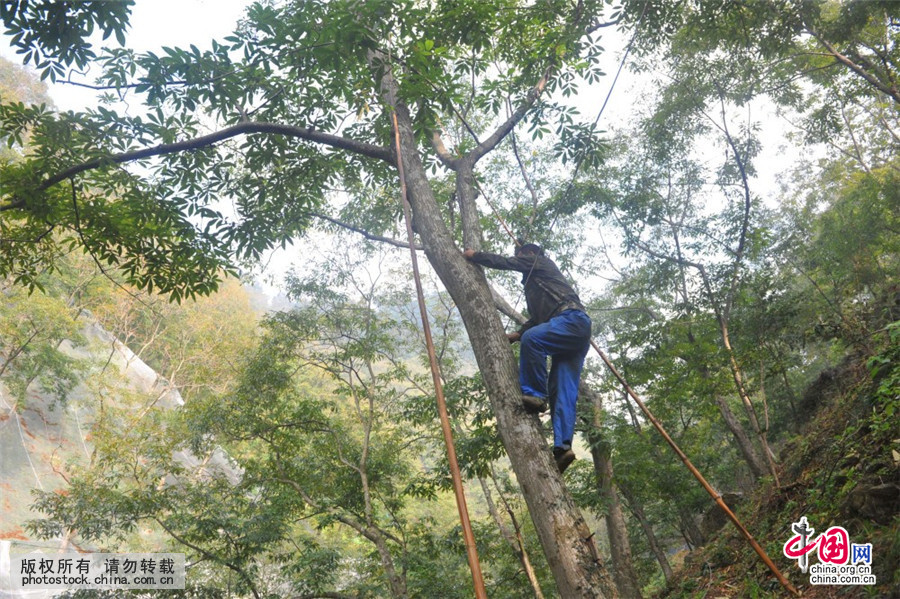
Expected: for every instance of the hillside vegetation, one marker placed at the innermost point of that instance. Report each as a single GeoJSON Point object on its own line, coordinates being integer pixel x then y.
{"type": "Point", "coordinates": [842, 468]}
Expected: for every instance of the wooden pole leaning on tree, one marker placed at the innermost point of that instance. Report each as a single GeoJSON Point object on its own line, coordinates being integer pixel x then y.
{"type": "Point", "coordinates": [716, 497]}
{"type": "Point", "coordinates": [468, 536]}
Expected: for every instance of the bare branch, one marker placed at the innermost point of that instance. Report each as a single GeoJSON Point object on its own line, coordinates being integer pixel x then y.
{"type": "Point", "coordinates": [745, 220]}
{"type": "Point", "coordinates": [364, 233]}
{"type": "Point", "coordinates": [528, 185]}
{"type": "Point", "coordinates": [601, 25]}
{"type": "Point", "coordinates": [503, 306]}
{"type": "Point", "coordinates": [858, 153]}
{"type": "Point", "coordinates": [441, 150]}
{"type": "Point", "coordinates": [891, 90]}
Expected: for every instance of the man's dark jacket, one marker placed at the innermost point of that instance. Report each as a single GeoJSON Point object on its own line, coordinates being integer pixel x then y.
{"type": "Point", "coordinates": [547, 293]}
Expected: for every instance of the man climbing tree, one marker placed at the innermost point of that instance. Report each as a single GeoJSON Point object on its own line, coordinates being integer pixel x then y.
{"type": "Point", "coordinates": [558, 327]}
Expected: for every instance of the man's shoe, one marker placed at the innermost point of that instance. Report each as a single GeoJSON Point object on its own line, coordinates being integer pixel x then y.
{"type": "Point", "coordinates": [534, 405]}
{"type": "Point", "coordinates": [563, 457]}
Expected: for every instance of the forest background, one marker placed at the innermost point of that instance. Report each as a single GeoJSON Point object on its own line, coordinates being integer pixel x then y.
{"type": "Point", "coordinates": [758, 323]}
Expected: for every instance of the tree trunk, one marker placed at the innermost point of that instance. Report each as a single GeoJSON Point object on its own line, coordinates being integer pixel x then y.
{"type": "Point", "coordinates": [619, 547]}
{"type": "Point", "coordinates": [562, 531]}
{"type": "Point", "coordinates": [689, 528]}
{"type": "Point", "coordinates": [465, 197]}
{"type": "Point", "coordinates": [738, 377]}
{"type": "Point", "coordinates": [745, 445]}
{"type": "Point", "coordinates": [722, 316]}
{"type": "Point", "coordinates": [395, 579]}
{"type": "Point", "coordinates": [757, 465]}
{"type": "Point", "coordinates": [638, 511]}
{"type": "Point", "coordinates": [791, 397]}
{"type": "Point", "coordinates": [514, 540]}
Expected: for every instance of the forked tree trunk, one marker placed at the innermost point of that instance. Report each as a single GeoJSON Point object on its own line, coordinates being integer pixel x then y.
{"type": "Point", "coordinates": [563, 533]}
{"type": "Point", "coordinates": [396, 579]}
{"type": "Point", "coordinates": [737, 375]}
{"type": "Point", "coordinates": [758, 467]}
{"type": "Point", "coordinates": [743, 442]}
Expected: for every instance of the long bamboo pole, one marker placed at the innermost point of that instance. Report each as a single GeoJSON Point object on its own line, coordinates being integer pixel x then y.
{"type": "Point", "coordinates": [687, 462]}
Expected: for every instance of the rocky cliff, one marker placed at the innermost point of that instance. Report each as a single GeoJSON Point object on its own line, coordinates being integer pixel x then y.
{"type": "Point", "coordinates": [43, 436]}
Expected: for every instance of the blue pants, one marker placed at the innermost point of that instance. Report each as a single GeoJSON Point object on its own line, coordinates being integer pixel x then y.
{"type": "Point", "coordinates": [565, 339]}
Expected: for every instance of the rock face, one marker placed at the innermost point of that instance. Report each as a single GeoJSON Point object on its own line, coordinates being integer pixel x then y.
{"type": "Point", "coordinates": [878, 502]}
{"type": "Point", "coordinates": [42, 436]}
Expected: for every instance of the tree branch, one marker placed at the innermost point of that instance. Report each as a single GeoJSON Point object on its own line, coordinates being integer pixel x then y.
{"type": "Point", "coordinates": [745, 220]}
{"type": "Point", "coordinates": [309, 134]}
{"type": "Point", "coordinates": [530, 98]}
{"type": "Point", "coordinates": [600, 25]}
{"type": "Point", "coordinates": [174, 83]}
{"type": "Point", "coordinates": [89, 251]}
{"type": "Point", "coordinates": [443, 154]}
{"type": "Point", "coordinates": [528, 185]}
{"type": "Point", "coordinates": [372, 532]}
{"type": "Point", "coordinates": [364, 233]}
{"type": "Point", "coordinates": [891, 91]}
{"type": "Point", "coordinates": [504, 308]}
{"type": "Point", "coordinates": [240, 571]}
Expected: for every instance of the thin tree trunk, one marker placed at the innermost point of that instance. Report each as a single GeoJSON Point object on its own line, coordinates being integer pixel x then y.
{"type": "Point", "coordinates": [738, 377]}
{"type": "Point", "coordinates": [689, 528]}
{"type": "Point", "coordinates": [737, 430]}
{"type": "Point", "coordinates": [791, 397]}
{"type": "Point", "coordinates": [692, 535]}
{"type": "Point", "coordinates": [745, 445]}
{"type": "Point", "coordinates": [514, 539]}
{"type": "Point", "coordinates": [395, 579]}
{"type": "Point", "coordinates": [637, 511]}
{"type": "Point", "coordinates": [723, 313]}
{"type": "Point", "coordinates": [619, 545]}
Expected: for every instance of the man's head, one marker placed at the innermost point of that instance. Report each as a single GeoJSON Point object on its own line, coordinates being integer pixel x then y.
{"type": "Point", "coordinates": [529, 249]}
